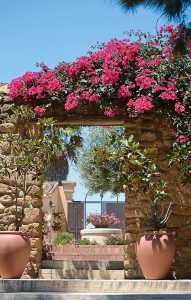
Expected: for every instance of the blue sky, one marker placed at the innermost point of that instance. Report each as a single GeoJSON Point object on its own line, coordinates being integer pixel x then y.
{"type": "Point", "coordinates": [52, 31]}
{"type": "Point", "coordinates": [59, 30]}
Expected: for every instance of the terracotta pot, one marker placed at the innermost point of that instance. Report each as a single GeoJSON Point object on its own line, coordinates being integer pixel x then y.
{"type": "Point", "coordinates": [155, 252]}
{"type": "Point", "coordinates": [15, 249]}
{"type": "Point", "coordinates": [100, 226]}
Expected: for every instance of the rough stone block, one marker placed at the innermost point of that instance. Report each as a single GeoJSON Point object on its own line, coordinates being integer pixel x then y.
{"type": "Point", "coordinates": [184, 233]}
{"type": "Point", "coordinates": [7, 127]}
{"type": "Point", "coordinates": [32, 215]}
{"type": "Point", "coordinates": [6, 189]}
{"type": "Point", "coordinates": [5, 148]}
{"type": "Point", "coordinates": [33, 230]}
{"type": "Point", "coordinates": [36, 191]}
{"type": "Point", "coordinates": [6, 200]}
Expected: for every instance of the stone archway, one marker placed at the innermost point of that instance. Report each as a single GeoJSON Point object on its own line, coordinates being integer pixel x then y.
{"type": "Point", "coordinates": [149, 130]}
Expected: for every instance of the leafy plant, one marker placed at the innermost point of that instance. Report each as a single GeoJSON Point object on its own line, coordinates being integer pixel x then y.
{"type": "Point", "coordinates": [123, 78]}
{"type": "Point", "coordinates": [62, 239]}
{"type": "Point", "coordinates": [180, 155]}
{"type": "Point", "coordinates": [115, 240]}
{"type": "Point", "coordinates": [136, 171]}
{"type": "Point", "coordinates": [91, 171]}
{"type": "Point", "coordinates": [85, 242]}
{"type": "Point", "coordinates": [30, 151]}
{"type": "Point", "coordinates": [70, 141]}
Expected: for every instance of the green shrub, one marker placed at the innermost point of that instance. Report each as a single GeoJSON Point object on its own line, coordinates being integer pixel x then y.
{"type": "Point", "coordinates": [115, 240]}
{"type": "Point", "coordinates": [62, 239]}
{"type": "Point", "coordinates": [85, 242]}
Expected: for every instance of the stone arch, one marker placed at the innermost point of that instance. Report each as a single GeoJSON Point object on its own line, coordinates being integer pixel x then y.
{"type": "Point", "coordinates": [149, 130]}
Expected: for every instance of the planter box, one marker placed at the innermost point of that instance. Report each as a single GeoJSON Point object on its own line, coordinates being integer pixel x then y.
{"type": "Point", "coordinates": [86, 253]}
{"type": "Point", "coordinates": [100, 235]}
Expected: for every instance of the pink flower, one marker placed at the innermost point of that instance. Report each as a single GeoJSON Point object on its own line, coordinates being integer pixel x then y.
{"type": "Point", "coordinates": [89, 95]}
{"type": "Point", "coordinates": [54, 85]}
{"type": "Point", "coordinates": [84, 62]}
{"type": "Point", "coordinates": [141, 62]}
{"type": "Point", "coordinates": [144, 82]}
{"type": "Point", "coordinates": [123, 92]}
{"type": "Point", "coordinates": [16, 88]}
{"type": "Point", "coordinates": [168, 95]}
{"type": "Point", "coordinates": [130, 103]}
{"type": "Point", "coordinates": [94, 98]}
{"type": "Point", "coordinates": [72, 101]}
{"type": "Point", "coordinates": [94, 80]}
{"type": "Point", "coordinates": [155, 62]}
{"type": "Point", "coordinates": [154, 43]}
{"type": "Point", "coordinates": [30, 76]}
{"type": "Point", "coordinates": [143, 103]}
{"type": "Point", "coordinates": [169, 28]}
{"type": "Point", "coordinates": [182, 139]}
{"type": "Point", "coordinates": [179, 107]}
{"type": "Point", "coordinates": [73, 70]}
{"type": "Point", "coordinates": [111, 112]}
{"type": "Point", "coordinates": [40, 111]}
{"type": "Point", "coordinates": [32, 91]}
{"type": "Point", "coordinates": [110, 77]}
{"type": "Point", "coordinates": [158, 87]}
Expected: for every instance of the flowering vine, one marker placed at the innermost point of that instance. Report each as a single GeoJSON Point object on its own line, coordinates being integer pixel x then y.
{"type": "Point", "coordinates": [122, 77]}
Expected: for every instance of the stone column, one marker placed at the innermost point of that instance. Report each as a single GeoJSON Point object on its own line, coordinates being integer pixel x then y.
{"type": "Point", "coordinates": [32, 221]}
{"type": "Point", "coordinates": [152, 131]}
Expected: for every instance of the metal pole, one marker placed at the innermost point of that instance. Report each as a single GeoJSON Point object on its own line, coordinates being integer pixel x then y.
{"type": "Point", "coordinates": [101, 196]}
{"type": "Point", "coordinates": [85, 203]}
{"type": "Point", "coordinates": [75, 222]}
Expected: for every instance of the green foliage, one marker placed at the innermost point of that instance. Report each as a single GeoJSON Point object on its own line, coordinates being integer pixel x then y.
{"type": "Point", "coordinates": [115, 240]}
{"type": "Point", "coordinates": [176, 10]}
{"type": "Point", "coordinates": [134, 169]}
{"type": "Point", "coordinates": [31, 150]}
{"type": "Point", "coordinates": [173, 10]}
{"type": "Point", "coordinates": [70, 141]}
{"type": "Point", "coordinates": [111, 162]}
{"type": "Point", "coordinates": [95, 178]}
{"type": "Point", "coordinates": [85, 242]}
{"type": "Point", "coordinates": [181, 155]}
{"type": "Point", "coordinates": [62, 239]}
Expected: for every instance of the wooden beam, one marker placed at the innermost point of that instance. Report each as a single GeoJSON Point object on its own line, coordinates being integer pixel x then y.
{"type": "Point", "coordinates": [88, 121]}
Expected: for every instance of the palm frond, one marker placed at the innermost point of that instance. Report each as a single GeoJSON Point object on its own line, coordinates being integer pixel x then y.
{"type": "Point", "coordinates": [171, 9]}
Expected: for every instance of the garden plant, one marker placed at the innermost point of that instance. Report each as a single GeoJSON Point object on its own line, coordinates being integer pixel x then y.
{"type": "Point", "coordinates": [123, 79]}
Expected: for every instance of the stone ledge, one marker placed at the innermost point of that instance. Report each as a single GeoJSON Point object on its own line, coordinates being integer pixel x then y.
{"type": "Point", "coordinates": [89, 296]}
{"type": "Point", "coordinates": [82, 265]}
{"type": "Point", "coordinates": [131, 287]}
{"type": "Point", "coordinates": [81, 274]}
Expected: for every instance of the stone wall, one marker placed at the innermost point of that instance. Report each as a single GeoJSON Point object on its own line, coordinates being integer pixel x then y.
{"type": "Point", "coordinates": [154, 131]}
{"type": "Point", "coordinates": [31, 224]}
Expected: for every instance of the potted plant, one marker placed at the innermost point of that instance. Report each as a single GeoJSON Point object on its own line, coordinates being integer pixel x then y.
{"type": "Point", "coordinates": [101, 231]}
{"type": "Point", "coordinates": [102, 220]}
{"type": "Point", "coordinates": [29, 150]}
{"type": "Point", "coordinates": [134, 169]}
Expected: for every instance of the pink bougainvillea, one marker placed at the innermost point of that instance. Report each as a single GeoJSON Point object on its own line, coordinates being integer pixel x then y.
{"type": "Point", "coordinates": [122, 77]}
{"type": "Point", "coordinates": [40, 111]}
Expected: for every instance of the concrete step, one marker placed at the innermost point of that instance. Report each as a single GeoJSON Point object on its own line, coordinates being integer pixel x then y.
{"type": "Point", "coordinates": [82, 265]}
{"type": "Point", "coordinates": [81, 274]}
{"type": "Point", "coordinates": [127, 287]}
{"type": "Point", "coordinates": [82, 296]}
